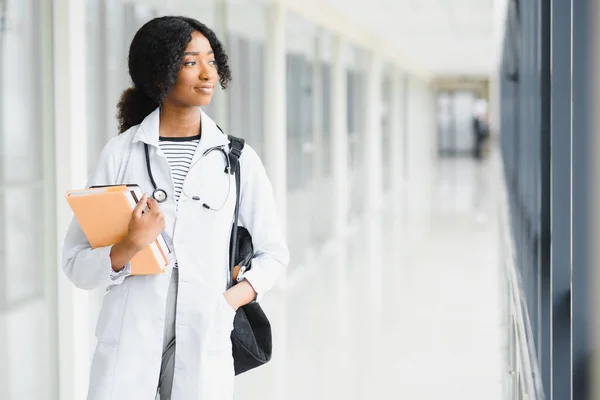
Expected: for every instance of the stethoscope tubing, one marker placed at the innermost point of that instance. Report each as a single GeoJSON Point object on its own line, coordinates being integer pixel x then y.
{"type": "Point", "coordinates": [160, 195]}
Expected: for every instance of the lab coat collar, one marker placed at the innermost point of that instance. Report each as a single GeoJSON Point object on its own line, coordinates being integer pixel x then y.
{"type": "Point", "coordinates": [148, 131]}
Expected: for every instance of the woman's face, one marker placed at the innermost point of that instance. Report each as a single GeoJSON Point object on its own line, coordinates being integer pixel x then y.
{"type": "Point", "coordinates": [198, 75]}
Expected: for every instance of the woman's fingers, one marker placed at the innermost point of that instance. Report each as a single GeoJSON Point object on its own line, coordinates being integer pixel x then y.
{"type": "Point", "coordinates": [139, 207]}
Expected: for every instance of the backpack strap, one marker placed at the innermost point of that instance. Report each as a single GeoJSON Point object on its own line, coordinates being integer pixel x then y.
{"type": "Point", "coordinates": [236, 145]}
{"type": "Point", "coordinates": [234, 230]}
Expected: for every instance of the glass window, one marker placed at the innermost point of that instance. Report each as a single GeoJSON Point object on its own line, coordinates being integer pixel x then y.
{"type": "Point", "coordinates": [321, 210]}
{"type": "Point", "coordinates": [309, 144]}
{"type": "Point", "coordinates": [357, 94]}
{"type": "Point", "coordinates": [299, 121]}
{"type": "Point", "coordinates": [96, 77]}
{"type": "Point", "coordinates": [21, 82]}
{"type": "Point", "coordinates": [386, 134]}
{"type": "Point", "coordinates": [27, 312]}
{"type": "Point", "coordinates": [246, 91]}
{"type": "Point", "coordinates": [445, 122]}
{"type": "Point", "coordinates": [326, 139]}
{"type": "Point", "coordinates": [21, 142]}
{"type": "Point", "coordinates": [245, 41]}
{"type": "Point", "coordinates": [110, 27]}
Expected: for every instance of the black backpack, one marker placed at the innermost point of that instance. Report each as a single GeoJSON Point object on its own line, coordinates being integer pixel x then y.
{"type": "Point", "coordinates": [251, 335]}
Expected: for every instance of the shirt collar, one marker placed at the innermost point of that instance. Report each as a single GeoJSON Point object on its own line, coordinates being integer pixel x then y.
{"type": "Point", "coordinates": [148, 131]}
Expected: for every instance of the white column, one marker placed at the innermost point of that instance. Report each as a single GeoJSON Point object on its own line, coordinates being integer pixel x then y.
{"type": "Point", "coordinates": [71, 172]}
{"type": "Point", "coordinates": [373, 151]}
{"type": "Point", "coordinates": [339, 136]}
{"type": "Point", "coordinates": [276, 165]}
{"type": "Point", "coordinates": [275, 106]}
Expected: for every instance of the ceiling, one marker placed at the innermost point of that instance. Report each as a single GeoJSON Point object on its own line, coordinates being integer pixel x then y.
{"type": "Point", "coordinates": [441, 37]}
{"type": "Point", "coordinates": [447, 37]}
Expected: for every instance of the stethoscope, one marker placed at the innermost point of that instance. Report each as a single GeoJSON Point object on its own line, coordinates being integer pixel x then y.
{"type": "Point", "coordinates": [160, 195]}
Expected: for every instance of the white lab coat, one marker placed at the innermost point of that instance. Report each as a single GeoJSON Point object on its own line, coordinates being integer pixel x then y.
{"type": "Point", "coordinates": [130, 326]}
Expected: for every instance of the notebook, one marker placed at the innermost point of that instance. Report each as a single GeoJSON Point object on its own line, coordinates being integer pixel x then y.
{"type": "Point", "coordinates": [104, 212]}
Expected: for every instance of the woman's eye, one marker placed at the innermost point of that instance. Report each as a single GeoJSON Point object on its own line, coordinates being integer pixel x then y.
{"type": "Point", "coordinates": [189, 63]}
{"type": "Point", "coordinates": [213, 62]}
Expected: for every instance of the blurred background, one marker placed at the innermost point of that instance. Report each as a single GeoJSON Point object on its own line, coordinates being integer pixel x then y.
{"type": "Point", "coordinates": [433, 161]}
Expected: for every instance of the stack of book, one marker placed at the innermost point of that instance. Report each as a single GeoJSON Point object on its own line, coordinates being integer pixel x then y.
{"type": "Point", "coordinates": [104, 212]}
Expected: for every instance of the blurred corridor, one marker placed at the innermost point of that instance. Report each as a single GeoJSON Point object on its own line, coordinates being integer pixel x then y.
{"type": "Point", "coordinates": [433, 329]}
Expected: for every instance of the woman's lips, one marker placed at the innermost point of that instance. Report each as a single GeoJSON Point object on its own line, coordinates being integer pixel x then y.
{"type": "Point", "coordinates": [205, 89]}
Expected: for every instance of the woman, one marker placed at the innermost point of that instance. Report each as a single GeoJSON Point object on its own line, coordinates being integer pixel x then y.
{"type": "Point", "coordinates": [170, 333]}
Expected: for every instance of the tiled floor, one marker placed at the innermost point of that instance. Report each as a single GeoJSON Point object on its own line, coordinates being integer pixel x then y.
{"type": "Point", "coordinates": [409, 308]}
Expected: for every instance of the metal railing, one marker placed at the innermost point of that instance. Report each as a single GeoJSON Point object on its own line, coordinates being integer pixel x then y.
{"type": "Point", "coordinates": [522, 375]}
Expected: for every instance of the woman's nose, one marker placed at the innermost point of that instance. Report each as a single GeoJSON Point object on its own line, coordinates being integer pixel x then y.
{"type": "Point", "coordinates": [206, 71]}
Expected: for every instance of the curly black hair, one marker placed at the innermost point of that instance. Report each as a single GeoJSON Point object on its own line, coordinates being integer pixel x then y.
{"type": "Point", "coordinates": [155, 58]}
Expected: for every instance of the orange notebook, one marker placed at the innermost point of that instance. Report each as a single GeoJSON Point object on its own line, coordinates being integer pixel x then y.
{"type": "Point", "coordinates": [103, 212]}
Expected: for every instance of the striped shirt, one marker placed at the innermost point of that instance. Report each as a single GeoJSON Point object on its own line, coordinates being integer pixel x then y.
{"type": "Point", "coordinates": [179, 151]}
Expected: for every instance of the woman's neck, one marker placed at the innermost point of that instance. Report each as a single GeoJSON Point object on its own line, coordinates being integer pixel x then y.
{"type": "Point", "coordinates": [179, 121]}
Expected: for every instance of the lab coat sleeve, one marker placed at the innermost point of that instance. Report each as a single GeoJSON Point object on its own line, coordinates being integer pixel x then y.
{"type": "Point", "coordinates": [91, 268]}
{"type": "Point", "coordinates": [258, 213]}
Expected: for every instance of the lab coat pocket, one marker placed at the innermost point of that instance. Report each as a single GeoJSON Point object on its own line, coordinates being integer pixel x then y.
{"type": "Point", "coordinates": [220, 343]}
{"type": "Point", "coordinates": [228, 314]}
{"type": "Point", "coordinates": [110, 320]}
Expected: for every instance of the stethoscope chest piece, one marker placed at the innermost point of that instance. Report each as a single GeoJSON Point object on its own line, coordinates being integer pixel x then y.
{"type": "Point", "coordinates": [160, 195]}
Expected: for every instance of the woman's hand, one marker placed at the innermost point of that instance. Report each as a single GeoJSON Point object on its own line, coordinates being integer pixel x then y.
{"type": "Point", "coordinates": [144, 227]}
{"type": "Point", "coordinates": [240, 294]}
